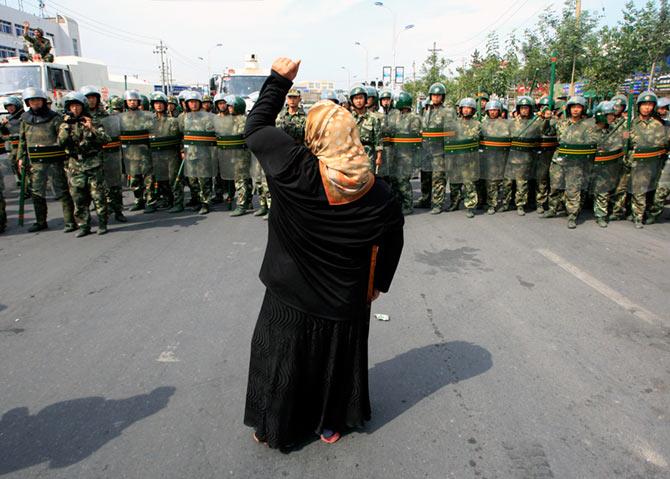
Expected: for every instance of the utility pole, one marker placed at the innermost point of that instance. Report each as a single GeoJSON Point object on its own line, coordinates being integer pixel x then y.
{"type": "Point", "coordinates": [160, 49]}
{"type": "Point", "coordinates": [170, 79]}
{"type": "Point", "coordinates": [433, 55]}
{"type": "Point", "coordinates": [578, 13]}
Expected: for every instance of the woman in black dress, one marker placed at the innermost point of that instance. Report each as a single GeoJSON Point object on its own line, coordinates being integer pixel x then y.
{"type": "Point", "coordinates": [334, 242]}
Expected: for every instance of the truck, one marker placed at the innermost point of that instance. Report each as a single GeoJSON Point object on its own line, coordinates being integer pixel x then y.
{"type": "Point", "coordinates": [65, 74]}
{"type": "Point", "coordinates": [245, 82]}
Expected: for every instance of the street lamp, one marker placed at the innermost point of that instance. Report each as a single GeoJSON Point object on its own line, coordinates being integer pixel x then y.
{"type": "Point", "coordinates": [348, 76]}
{"type": "Point", "coordinates": [366, 58]}
{"type": "Point", "coordinates": [394, 37]}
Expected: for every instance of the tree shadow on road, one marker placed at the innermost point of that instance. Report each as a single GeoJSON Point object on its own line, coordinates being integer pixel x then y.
{"type": "Point", "coordinates": [67, 432]}
{"type": "Point", "coordinates": [401, 382]}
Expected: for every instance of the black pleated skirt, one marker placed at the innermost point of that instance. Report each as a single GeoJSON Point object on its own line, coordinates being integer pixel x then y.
{"type": "Point", "coordinates": [306, 374]}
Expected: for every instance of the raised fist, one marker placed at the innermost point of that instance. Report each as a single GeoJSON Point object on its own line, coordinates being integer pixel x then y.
{"type": "Point", "coordinates": [286, 67]}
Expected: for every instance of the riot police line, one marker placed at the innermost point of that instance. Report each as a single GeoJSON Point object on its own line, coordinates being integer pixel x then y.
{"type": "Point", "coordinates": [551, 156]}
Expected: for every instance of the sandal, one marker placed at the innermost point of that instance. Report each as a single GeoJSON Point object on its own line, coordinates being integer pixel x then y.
{"type": "Point", "coordinates": [330, 438]}
{"type": "Point", "coordinates": [258, 440]}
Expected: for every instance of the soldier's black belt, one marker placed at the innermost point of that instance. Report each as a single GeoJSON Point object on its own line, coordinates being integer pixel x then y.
{"type": "Point", "coordinates": [231, 142]}
{"type": "Point", "coordinates": [648, 153]}
{"type": "Point", "coordinates": [577, 152]}
{"type": "Point", "coordinates": [200, 138]}
{"type": "Point", "coordinates": [455, 147]}
{"type": "Point", "coordinates": [609, 155]}
{"type": "Point", "coordinates": [46, 154]}
{"type": "Point", "coordinates": [495, 142]}
{"type": "Point", "coordinates": [159, 143]}
{"type": "Point", "coordinates": [134, 137]}
{"type": "Point", "coordinates": [524, 144]}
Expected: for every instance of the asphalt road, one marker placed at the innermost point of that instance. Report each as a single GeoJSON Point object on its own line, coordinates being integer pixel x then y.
{"type": "Point", "coordinates": [516, 348]}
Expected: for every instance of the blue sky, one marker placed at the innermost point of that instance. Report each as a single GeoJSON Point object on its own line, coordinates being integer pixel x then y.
{"type": "Point", "coordinates": [320, 32]}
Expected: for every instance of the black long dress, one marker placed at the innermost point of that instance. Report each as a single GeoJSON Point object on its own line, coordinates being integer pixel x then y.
{"type": "Point", "coordinates": [308, 366]}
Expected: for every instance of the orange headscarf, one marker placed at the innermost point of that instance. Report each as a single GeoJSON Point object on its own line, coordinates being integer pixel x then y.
{"type": "Point", "coordinates": [331, 134]}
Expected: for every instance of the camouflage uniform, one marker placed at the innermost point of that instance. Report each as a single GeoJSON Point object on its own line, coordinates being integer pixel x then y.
{"type": "Point", "coordinates": [385, 120]}
{"type": "Point", "coordinates": [620, 198]}
{"type": "Point", "coordinates": [462, 162]}
{"type": "Point", "coordinates": [40, 152]}
{"type": "Point", "coordinates": [494, 148]}
{"type": "Point", "coordinates": [233, 157]}
{"type": "Point", "coordinates": [294, 126]}
{"type": "Point", "coordinates": [41, 47]}
{"type": "Point", "coordinates": [135, 127]}
{"type": "Point", "coordinates": [165, 145]}
{"type": "Point", "coordinates": [197, 128]}
{"type": "Point", "coordinates": [649, 143]}
{"type": "Point", "coordinates": [607, 167]}
{"type": "Point", "coordinates": [548, 145]}
{"type": "Point", "coordinates": [113, 164]}
{"type": "Point", "coordinates": [570, 165]}
{"type": "Point", "coordinates": [86, 175]}
{"type": "Point", "coordinates": [661, 195]}
{"type": "Point", "coordinates": [404, 128]}
{"type": "Point", "coordinates": [369, 130]}
{"type": "Point", "coordinates": [525, 134]}
{"type": "Point", "coordinates": [433, 167]}
{"type": "Point", "coordinates": [11, 131]}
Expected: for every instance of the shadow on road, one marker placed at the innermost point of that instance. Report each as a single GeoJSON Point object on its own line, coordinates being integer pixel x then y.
{"type": "Point", "coordinates": [401, 382]}
{"type": "Point", "coordinates": [67, 432]}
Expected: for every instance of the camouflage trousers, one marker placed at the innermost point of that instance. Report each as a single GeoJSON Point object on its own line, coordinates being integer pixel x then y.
{"type": "Point", "coordinates": [521, 195]}
{"type": "Point", "coordinates": [85, 186]}
{"type": "Point", "coordinates": [115, 199]}
{"type": "Point", "coordinates": [493, 193]}
{"type": "Point", "coordinates": [402, 190]}
{"type": "Point", "coordinates": [662, 194]}
{"type": "Point", "coordinates": [542, 193]}
{"type": "Point", "coordinates": [601, 204]}
{"type": "Point", "coordinates": [243, 192]}
{"type": "Point", "coordinates": [142, 187]}
{"type": "Point", "coordinates": [427, 186]}
{"type": "Point", "coordinates": [39, 175]}
{"type": "Point", "coordinates": [620, 196]}
{"type": "Point", "coordinates": [439, 188]}
{"type": "Point", "coordinates": [463, 191]}
{"type": "Point", "coordinates": [172, 189]}
{"type": "Point", "coordinates": [203, 190]}
{"type": "Point", "coordinates": [570, 198]}
{"type": "Point", "coordinates": [264, 198]}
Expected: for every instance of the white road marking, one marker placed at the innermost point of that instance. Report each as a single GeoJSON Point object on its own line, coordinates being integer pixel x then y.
{"type": "Point", "coordinates": [630, 306]}
{"type": "Point", "coordinates": [167, 357]}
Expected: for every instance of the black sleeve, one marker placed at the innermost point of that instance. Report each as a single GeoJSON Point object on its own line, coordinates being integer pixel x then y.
{"type": "Point", "coordinates": [388, 258]}
{"type": "Point", "coordinates": [276, 151]}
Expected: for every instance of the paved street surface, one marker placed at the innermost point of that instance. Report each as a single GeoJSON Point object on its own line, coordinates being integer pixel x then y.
{"type": "Point", "coordinates": [516, 349]}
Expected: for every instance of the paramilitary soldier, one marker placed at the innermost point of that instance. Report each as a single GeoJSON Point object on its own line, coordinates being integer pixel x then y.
{"type": "Point", "coordinates": [434, 122]}
{"type": "Point", "coordinates": [494, 147]}
{"type": "Point", "coordinates": [172, 107]}
{"type": "Point", "coordinates": [649, 146]}
{"type": "Point", "coordinates": [570, 166]}
{"type": "Point", "coordinates": [525, 133]}
{"type": "Point", "coordinates": [40, 152]}
{"type": "Point", "coordinates": [548, 145]}
{"type": "Point", "coordinates": [135, 127]}
{"type": "Point", "coordinates": [369, 127]}
{"type": "Point", "coordinates": [224, 125]}
{"type": "Point", "coordinates": [9, 127]}
{"type": "Point", "coordinates": [620, 200]}
{"type": "Point", "coordinates": [608, 161]}
{"type": "Point", "coordinates": [462, 158]}
{"type": "Point", "coordinates": [241, 157]}
{"type": "Point", "coordinates": [39, 44]}
{"type": "Point", "coordinates": [82, 141]}
{"type": "Point", "coordinates": [404, 130]}
{"type": "Point", "coordinates": [165, 145]}
{"type": "Point", "coordinates": [386, 103]}
{"type": "Point", "coordinates": [111, 151]}
{"type": "Point", "coordinates": [197, 128]}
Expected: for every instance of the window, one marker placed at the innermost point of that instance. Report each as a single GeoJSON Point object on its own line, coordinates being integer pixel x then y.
{"type": "Point", "coordinates": [5, 27]}
{"type": "Point", "coordinates": [75, 47]}
{"type": "Point", "coordinates": [6, 51]}
{"type": "Point", "coordinates": [56, 79]}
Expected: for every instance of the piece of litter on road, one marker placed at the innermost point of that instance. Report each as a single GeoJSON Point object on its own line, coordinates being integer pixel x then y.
{"type": "Point", "coordinates": [17, 320]}
{"type": "Point", "coordinates": [382, 317]}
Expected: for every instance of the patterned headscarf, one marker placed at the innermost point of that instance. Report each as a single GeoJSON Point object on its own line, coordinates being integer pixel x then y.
{"type": "Point", "coordinates": [332, 136]}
